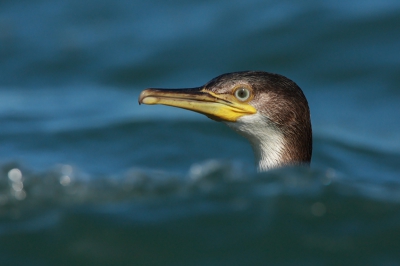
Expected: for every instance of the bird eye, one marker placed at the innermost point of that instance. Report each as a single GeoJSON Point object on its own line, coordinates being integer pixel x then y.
{"type": "Point", "coordinates": [242, 94]}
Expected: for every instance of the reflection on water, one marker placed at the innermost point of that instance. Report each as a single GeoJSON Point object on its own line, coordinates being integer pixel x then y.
{"type": "Point", "coordinates": [305, 211]}
{"type": "Point", "coordinates": [17, 186]}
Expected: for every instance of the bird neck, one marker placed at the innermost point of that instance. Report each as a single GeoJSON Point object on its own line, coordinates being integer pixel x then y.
{"type": "Point", "coordinates": [266, 139]}
{"type": "Point", "coordinates": [268, 153]}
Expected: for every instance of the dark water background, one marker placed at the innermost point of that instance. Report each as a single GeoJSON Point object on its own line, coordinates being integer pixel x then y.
{"type": "Point", "coordinates": [89, 177]}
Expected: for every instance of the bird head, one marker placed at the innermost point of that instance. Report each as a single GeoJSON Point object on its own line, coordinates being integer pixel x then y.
{"type": "Point", "coordinates": [268, 109]}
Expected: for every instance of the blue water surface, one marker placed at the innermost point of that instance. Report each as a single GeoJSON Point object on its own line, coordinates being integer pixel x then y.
{"type": "Point", "coordinates": [89, 177]}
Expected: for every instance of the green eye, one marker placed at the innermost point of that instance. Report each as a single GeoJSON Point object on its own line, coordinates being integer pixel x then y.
{"type": "Point", "coordinates": [242, 94]}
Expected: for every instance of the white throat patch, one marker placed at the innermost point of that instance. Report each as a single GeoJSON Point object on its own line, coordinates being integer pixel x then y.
{"type": "Point", "coordinates": [266, 139]}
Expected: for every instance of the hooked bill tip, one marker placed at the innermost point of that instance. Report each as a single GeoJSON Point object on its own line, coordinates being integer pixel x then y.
{"type": "Point", "coordinates": [142, 96]}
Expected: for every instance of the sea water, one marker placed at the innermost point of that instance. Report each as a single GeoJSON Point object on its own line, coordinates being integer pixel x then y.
{"type": "Point", "coordinates": [89, 177]}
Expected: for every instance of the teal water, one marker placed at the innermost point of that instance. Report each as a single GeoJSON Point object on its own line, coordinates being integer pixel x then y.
{"type": "Point", "coordinates": [89, 177]}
